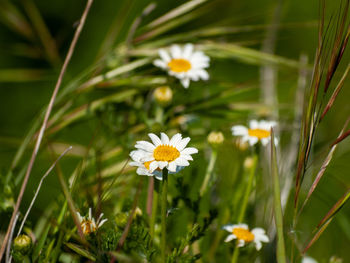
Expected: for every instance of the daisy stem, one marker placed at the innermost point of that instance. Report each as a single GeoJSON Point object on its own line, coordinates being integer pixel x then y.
{"type": "Point", "coordinates": [235, 255]}
{"type": "Point", "coordinates": [248, 190]}
{"type": "Point", "coordinates": [164, 213]}
{"type": "Point", "coordinates": [209, 171]}
{"type": "Point", "coordinates": [154, 213]}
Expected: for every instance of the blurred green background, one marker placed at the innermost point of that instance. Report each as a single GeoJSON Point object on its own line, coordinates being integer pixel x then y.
{"type": "Point", "coordinates": [28, 76]}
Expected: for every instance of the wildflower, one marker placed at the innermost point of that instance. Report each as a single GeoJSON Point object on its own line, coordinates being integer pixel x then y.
{"type": "Point", "coordinates": [163, 95]}
{"type": "Point", "coordinates": [22, 244]}
{"type": "Point", "coordinates": [242, 233]}
{"type": "Point", "coordinates": [248, 163]}
{"type": "Point", "coordinates": [215, 138]}
{"type": "Point", "coordinates": [257, 131]}
{"type": "Point", "coordinates": [308, 260]}
{"type": "Point", "coordinates": [89, 225]}
{"type": "Point", "coordinates": [184, 64]}
{"type": "Point", "coordinates": [151, 158]}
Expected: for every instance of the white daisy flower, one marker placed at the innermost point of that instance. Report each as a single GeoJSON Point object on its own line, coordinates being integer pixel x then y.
{"type": "Point", "coordinates": [243, 235]}
{"type": "Point", "coordinates": [308, 260]}
{"type": "Point", "coordinates": [88, 224]}
{"type": "Point", "coordinates": [184, 64]}
{"type": "Point", "coordinates": [172, 154]}
{"type": "Point", "coordinates": [257, 131]}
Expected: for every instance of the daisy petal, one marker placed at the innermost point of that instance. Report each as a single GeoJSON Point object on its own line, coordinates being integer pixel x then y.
{"type": "Point", "coordinates": [155, 139]}
{"type": "Point", "coordinates": [182, 144]}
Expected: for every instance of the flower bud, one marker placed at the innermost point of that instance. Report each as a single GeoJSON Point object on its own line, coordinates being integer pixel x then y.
{"type": "Point", "coordinates": [335, 259]}
{"type": "Point", "coordinates": [22, 244]}
{"type": "Point", "coordinates": [215, 138]}
{"type": "Point", "coordinates": [248, 163]}
{"type": "Point", "coordinates": [163, 95]}
{"type": "Point", "coordinates": [241, 145]}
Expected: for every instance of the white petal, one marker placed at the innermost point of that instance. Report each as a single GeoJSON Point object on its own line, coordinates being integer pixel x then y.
{"type": "Point", "coordinates": [155, 139]}
{"type": "Point", "coordinates": [161, 165]}
{"type": "Point", "coordinates": [253, 124]}
{"type": "Point", "coordinates": [172, 167]}
{"type": "Point", "coordinates": [187, 52]}
{"type": "Point", "coordinates": [175, 51]}
{"type": "Point", "coordinates": [244, 226]}
{"type": "Point", "coordinates": [265, 141]}
{"type": "Point", "coordinates": [229, 238]}
{"type": "Point", "coordinates": [203, 74]}
{"type": "Point", "coordinates": [241, 243]}
{"type": "Point", "coordinates": [182, 144]}
{"type": "Point", "coordinates": [185, 82]}
{"type": "Point", "coordinates": [175, 139]}
{"type": "Point", "coordinates": [186, 156]}
{"type": "Point", "coordinates": [239, 130]}
{"type": "Point", "coordinates": [90, 213]}
{"type": "Point", "coordinates": [253, 140]}
{"type": "Point", "coordinates": [164, 138]}
{"type": "Point", "coordinates": [164, 55]}
{"type": "Point", "coordinates": [102, 222]}
{"type": "Point", "coordinates": [228, 228]}
{"type": "Point", "coordinates": [258, 245]}
{"type": "Point", "coordinates": [147, 146]}
{"type": "Point", "coordinates": [153, 166]}
{"type": "Point", "coordinates": [189, 150]}
{"type": "Point", "coordinates": [181, 162]}
{"type": "Point", "coordinates": [160, 64]}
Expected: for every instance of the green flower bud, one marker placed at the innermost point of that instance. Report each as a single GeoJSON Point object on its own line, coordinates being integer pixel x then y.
{"type": "Point", "coordinates": [163, 95]}
{"type": "Point", "coordinates": [22, 244]}
{"type": "Point", "coordinates": [215, 138]}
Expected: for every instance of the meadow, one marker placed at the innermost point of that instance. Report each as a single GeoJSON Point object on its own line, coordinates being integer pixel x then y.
{"type": "Point", "coordinates": [174, 131]}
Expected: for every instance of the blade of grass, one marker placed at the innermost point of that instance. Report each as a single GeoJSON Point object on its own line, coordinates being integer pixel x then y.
{"type": "Point", "coordinates": [281, 253]}
{"type": "Point", "coordinates": [335, 93]}
{"type": "Point", "coordinates": [42, 31]}
{"type": "Point", "coordinates": [178, 11]}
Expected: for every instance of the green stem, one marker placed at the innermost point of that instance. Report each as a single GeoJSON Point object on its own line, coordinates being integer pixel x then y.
{"type": "Point", "coordinates": [209, 171]}
{"type": "Point", "coordinates": [245, 203]}
{"type": "Point", "coordinates": [248, 190]}
{"type": "Point", "coordinates": [235, 255]}
{"type": "Point", "coordinates": [164, 213]}
{"type": "Point", "coordinates": [154, 213]}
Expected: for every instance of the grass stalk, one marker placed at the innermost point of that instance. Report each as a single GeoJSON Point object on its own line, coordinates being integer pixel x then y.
{"type": "Point", "coordinates": [209, 171]}
{"type": "Point", "coordinates": [281, 253]}
{"type": "Point", "coordinates": [164, 213]}
{"type": "Point", "coordinates": [245, 203]}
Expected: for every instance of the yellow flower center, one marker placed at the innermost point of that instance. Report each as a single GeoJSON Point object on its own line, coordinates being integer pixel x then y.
{"type": "Point", "coordinates": [259, 133]}
{"type": "Point", "coordinates": [179, 65]}
{"type": "Point", "coordinates": [87, 226]}
{"type": "Point", "coordinates": [243, 234]}
{"type": "Point", "coordinates": [165, 153]}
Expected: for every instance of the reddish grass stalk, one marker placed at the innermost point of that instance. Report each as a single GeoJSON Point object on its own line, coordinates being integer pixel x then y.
{"type": "Point", "coordinates": [44, 125]}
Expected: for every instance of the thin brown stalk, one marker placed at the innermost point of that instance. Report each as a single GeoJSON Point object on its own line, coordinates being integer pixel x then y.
{"type": "Point", "coordinates": [44, 125]}
{"type": "Point", "coordinates": [335, 93]}
{"type": "Point", "coordinates": [39, 186]}
{"type": "Point", "coordinates": [346, 134]}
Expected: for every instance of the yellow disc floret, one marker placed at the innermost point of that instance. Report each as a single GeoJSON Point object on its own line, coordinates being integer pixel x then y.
{"type": "Point", "coordinates": [165, 153]}
{"type": "Point", "coordinates": [179, 65]}
{"type": "Point", "coordinates": [259, 133]}
{"type": "Point", "coordinates": [243, 234]}
{"type": "Point", "coordinates": [87, 226]}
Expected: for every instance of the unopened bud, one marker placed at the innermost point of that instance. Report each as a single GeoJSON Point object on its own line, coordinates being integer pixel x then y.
{"type": "Point", "coordinates": [248, 162]}
{"type": "Point", "coordinates": [335, 259]}
{"type": "Point", "coordinates": [241, 145]}
{"type": "Point", "coordinates": [215, 138]}
{"type": "Point", "coordinates": [163, 95]}
{"type": "Point", "coordinates": [22, 244]}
